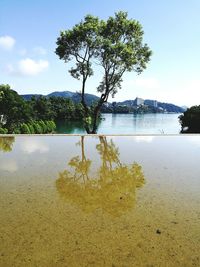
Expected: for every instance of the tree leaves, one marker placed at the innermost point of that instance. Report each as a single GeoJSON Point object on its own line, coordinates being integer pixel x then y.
{"type": "Point", "coordinates": [116, 45]}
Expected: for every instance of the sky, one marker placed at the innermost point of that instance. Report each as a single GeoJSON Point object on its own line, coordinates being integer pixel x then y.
{"type": "Point", "coordinates": [29, 30]}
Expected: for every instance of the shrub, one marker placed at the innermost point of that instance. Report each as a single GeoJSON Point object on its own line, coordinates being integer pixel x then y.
{"type": "Point", "coordinates": [37, 128]}
{"type": "Point", "coordinates": [53, 126]}
{"type": "Point", "coordinates": [16, 131]}
{"type": "Point", "coordinates": [31, 128]}
{"type": "Point", "coordinates": [43, 126]}
{"type": "Point", "coordinates": [24, 128]}
{"type": "Point", "coordinates": [3, 131]}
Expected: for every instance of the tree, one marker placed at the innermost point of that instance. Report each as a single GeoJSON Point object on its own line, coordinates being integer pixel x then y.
{"type": "Point", "coordinates": [116, 45]}
{"type": "Point", "coordinates": [190, 120]}
{"type": "Point", "coordinates": [79, 44]}
{"type": "Point", "coordinates": [42, 108]}
{"type": "Point", "coordinates": [13, 108]}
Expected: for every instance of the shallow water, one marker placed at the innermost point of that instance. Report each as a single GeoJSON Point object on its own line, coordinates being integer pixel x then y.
{"type": "Point", "coordinates": [100, 201]}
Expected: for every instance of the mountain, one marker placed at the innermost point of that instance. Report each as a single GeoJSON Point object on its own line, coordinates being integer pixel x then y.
{"type": "Point", "coordinates": [184, 108]}
{"type": "Point", "coordinates": [65, 94]}
{"type": "Point", "coordinates": [170, 107]}
{"type": "Point", "coordinates": [159, 106]}
{"type": "Point", "coordinates": [75, 97]}
{"type": "Point", "coordinates": [165, 106]}
{"type": "Point", "coordinates": [29, 96]}
{"type": "Point", "coordinates": [90, 98]}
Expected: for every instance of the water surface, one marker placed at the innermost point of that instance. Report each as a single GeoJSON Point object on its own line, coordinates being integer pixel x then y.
{"type": "Point", "coordinates": [128, 124]}
{"type": "Point", "coordinates": [99, 201]}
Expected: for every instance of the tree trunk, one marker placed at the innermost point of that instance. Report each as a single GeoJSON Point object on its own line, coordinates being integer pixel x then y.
{"type": "Point", "coordinates": [86, 111]}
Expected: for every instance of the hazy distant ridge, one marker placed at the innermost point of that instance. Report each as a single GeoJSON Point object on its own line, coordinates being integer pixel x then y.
{"type": "Point", "coordinates": [90, 98]}
{"type": "Point", "coordinates": [75, 97]}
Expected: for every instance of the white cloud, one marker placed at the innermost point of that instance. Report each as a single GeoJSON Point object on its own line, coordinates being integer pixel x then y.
{"type": "Point", "coordinates": [9, 69]}
{"type": "Point", "coordinates": [28, 67]}
{"type": "Point", "coordinates": [31, 67]}
{"type": "Point", "coordinates": [30, 146]}
{"type": "Point", "coordinates": [147, 83]}
{"type": "Point", "coordinates": [8, 165]}
{"type": "Point", "coordinates": [141, 83]}
{"type": "Point", "coordinates": [7, 42]}
{"type": "Point", "coordinates": [40, 50]}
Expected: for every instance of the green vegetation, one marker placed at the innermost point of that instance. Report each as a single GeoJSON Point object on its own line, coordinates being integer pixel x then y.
{"type": "Point", "coordinates": [35, 116]}
{"type": "Point", "coordinates": [115, 45]}
{"type": "Point", "coordinates": [190, 120]}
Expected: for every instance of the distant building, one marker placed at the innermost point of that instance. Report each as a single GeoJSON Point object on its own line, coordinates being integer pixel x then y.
{"type": "Point", "coordinates": [151, 103]}
{"type": "Point", "coordinates": [139, 101]}
{"type": "Point", "coordinates": [155, 103]}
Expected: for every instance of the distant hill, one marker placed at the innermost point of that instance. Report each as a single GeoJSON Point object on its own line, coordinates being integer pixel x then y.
{"type": "Point", "coordinates": [65, 94]}
{"type": "Point", "coordinates": [168, 107]}
{"type": "Point", "coordinates": [75, 97]}
{"type": "Point", "coordinates": [29, 96]}
{"type": "Point", "coordinates": [90, 98]}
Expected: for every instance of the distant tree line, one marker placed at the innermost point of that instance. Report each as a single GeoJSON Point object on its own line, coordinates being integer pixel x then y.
{"type": "Point", "coordinates": [40, 114]}
{"type": "Point", "coordinates": [116, 108]}
{"type": "Point", "coordinates": [37, 115]}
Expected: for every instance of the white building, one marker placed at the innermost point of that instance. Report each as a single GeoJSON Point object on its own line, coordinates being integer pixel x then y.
{"type": "Point", "coordinates": [139, 101]}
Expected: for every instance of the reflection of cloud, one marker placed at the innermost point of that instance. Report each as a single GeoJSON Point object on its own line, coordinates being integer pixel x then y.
{"type": "Point", "coordinates": [147, 139]}
{"type": "Point", "coordinates": [8, 165]}
{"type": "Point", "coordinates": [194, 139]}
{"type": "Point", "coordinates": [30, 146]}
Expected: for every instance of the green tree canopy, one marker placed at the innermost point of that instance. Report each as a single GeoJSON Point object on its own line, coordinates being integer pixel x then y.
{"type": "Point", "coordinates": [13, 108]}
{"type": "Point", "coordinates": [116, 45]}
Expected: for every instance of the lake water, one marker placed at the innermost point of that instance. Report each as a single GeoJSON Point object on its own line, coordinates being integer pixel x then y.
{"type": "Point", "coordinates": [129, 124]}
{"type": "Point", "coordinates": [100, 201]}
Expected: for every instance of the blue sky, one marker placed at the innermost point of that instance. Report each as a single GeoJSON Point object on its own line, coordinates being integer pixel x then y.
{"type": "Point", "coordinates": [29, 29]}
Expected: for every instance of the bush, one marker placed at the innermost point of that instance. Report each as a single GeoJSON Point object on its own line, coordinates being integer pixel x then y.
{"type": "Point", "coordinates": [3, 131]}
{"type": "Point", "coordinates": [37, 128]}
{"type": "Point", "coordinates": [53, 126]}
{"type": "Point", "coordinates": [24, 129]}
{"type": "Point", "coordinates": [31, 128]}
{"type": "Point", "coordinates": [16, 131]}
{"type": "Point", "coordinates": [43, 126]}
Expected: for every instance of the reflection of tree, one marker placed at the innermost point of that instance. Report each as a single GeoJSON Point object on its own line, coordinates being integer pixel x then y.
{"type": "Point", "coordinates": [6, 143]}
{"type": "Point", "coordinates": [112, 190]}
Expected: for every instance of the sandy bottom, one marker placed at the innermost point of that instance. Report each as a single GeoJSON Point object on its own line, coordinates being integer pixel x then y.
{"type": "Point", "coordinates": [45, 222]}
